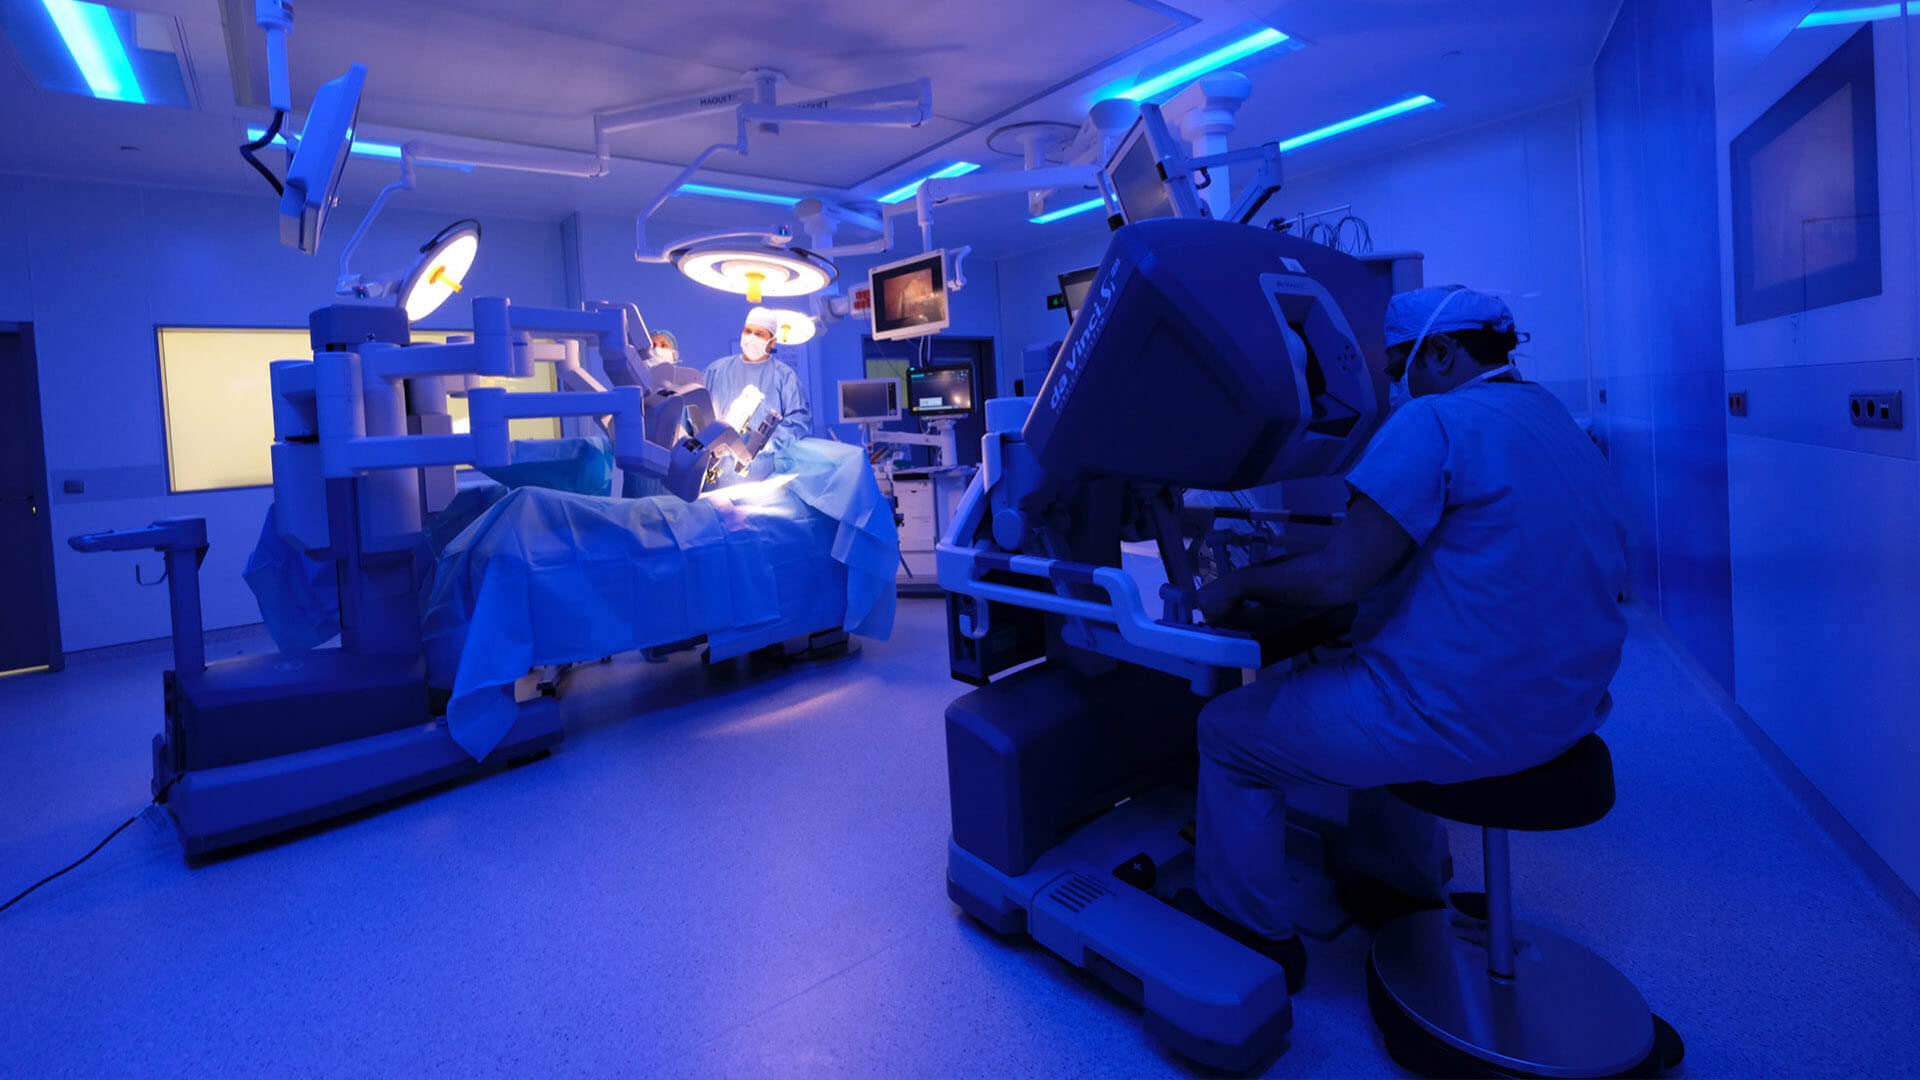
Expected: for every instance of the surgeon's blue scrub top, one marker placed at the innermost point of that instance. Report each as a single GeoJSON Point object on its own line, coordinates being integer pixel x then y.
{"type": "Point", "coordinates": [729, 375]}
{"type": "Point", "coordinates": [1504, 627]}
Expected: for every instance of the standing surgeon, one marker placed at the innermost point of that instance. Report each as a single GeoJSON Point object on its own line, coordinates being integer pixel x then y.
{"type": "Point", "coordinates": [1484, 547]}
{"type": "Point", "coordinates": [755, 365]}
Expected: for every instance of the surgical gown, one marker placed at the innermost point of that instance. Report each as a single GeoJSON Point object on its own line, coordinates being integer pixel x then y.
{"type": "Point", "coordinates": [1489, 649]}
{"type": "Point", "coordinates": [728, 376]}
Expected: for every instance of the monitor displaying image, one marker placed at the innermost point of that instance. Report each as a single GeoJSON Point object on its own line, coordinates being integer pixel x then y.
{"type": "Point", "coordinates": [1805, 181]}
{"type": "Point", "coordinates": [941, 390]}
{"type": "Point", "coordinates": [910, 297]}
{"type": "Point", "coordinates": [869, 401]}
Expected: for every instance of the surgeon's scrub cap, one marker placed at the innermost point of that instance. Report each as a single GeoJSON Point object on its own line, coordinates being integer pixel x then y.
{"type": "Point", "coordinates": [1457, 308]}
{"type": "Point", "coordinates": [765, 320]}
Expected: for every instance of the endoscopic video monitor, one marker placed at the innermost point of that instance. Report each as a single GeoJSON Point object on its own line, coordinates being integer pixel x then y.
{"type": "Point", "coordinates": [910, 297]}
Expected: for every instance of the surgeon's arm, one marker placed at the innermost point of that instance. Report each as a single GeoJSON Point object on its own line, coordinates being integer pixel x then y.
{"type": "Point", "coordinates": [1368, 546]}
{"type": "Point", "coordinates": [796, 419]}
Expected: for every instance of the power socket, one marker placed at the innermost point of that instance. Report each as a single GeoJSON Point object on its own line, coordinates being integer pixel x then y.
{"type": "Point", "coordinates": [1737, 403]}
{"type": "Point", "coordinates": [1876, 409]}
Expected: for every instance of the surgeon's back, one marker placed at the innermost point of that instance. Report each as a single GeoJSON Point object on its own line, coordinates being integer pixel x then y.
{"type": "Point", "coordinates": [1504, 628]}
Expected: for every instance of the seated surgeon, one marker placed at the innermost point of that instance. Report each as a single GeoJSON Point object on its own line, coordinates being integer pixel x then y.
{"type": "Point", "coordinates": [666, 348]}
{"type": "Point", "coordinates": [755, 365]}
{"type": "Point", "coordinates": [1484, 547]}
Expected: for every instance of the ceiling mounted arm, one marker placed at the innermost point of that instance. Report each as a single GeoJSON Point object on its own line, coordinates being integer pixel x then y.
{"type": "Point", "coordinates": [981, 184]}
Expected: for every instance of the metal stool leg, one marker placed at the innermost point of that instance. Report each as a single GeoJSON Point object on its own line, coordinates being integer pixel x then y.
{"type": "Point", "coordinates": [1499, 879]}
{"type": "Point", "coordinates": [1510, 996]}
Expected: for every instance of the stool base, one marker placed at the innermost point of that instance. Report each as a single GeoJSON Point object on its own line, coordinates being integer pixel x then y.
{"type": "Point", "coordinates": [1565, 1013]}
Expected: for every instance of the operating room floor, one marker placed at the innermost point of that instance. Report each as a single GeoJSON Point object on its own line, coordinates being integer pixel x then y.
{"type": "Point", "coordinates": [747, 880]}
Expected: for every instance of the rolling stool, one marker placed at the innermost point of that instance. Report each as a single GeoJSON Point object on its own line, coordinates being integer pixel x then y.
{"type": "Point", "coordinates": [1455, 995]}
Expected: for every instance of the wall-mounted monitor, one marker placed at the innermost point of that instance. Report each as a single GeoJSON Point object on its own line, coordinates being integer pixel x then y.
{"type": "Point", "coordinates": [313, 177]}
{"type": "Point", "coordinates": [910, 297]}
{"type": "Point", "coordinates": [1074, 286]}
{"type": "Point", "coordinates": [1139, 178]}
{"type": "Point", "coordinates": [940, 390]}
{"type": "Point", "coordinates": [869, 401]}
{"type": "Point", "coordinates": [1805, 181]}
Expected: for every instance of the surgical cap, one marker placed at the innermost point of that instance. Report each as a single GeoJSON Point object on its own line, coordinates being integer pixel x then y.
{"type": "Point", "coordinates": [765, 320]}
{"type": "Point", "coordinates": [1458, 308]}
{"type": "Point", "coordinates": [672, 342]}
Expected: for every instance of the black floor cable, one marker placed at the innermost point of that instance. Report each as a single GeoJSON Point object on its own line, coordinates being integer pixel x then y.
{"type": "Point", "coordinates": [157, 800]}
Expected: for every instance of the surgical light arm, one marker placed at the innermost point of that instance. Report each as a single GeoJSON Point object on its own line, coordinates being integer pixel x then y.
{"type": "Point", "coordinates": [979, 185]}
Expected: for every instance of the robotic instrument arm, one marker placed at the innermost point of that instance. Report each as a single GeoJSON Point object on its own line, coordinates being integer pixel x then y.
{"type": "Point", "coordinates": [1207, 355]}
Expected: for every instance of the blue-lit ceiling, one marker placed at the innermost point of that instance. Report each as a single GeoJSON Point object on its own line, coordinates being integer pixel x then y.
{"type": "Point", "coordinates": [97, 51]}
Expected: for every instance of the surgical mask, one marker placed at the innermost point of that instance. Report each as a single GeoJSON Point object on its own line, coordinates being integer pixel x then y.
{"type": "Point", "coordinates": [752, 347]}
{"type": "Point", "coordinates": [1398, 394]}
{"type": "Point", "coordinates": [664, 355]}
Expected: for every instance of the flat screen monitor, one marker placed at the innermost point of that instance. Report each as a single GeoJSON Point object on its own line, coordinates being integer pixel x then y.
{"type": "Point", "coordinates": [313, 177]}
{"type": "Point", "coordinates": [1134, 173]}
{"type": "Point", "coordinates": [1074, 287]}
{"type": "Point", "coordinates": [909, 297]}
{"type": "Point", "coordinates": [1805, 181]}
{"type": "Point", "coordinates": [940, 390]}
{"type": "Point", "coordinates": [869, 401]}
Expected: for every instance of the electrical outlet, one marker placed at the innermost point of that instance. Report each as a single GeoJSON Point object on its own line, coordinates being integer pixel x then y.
{"type": "Point", "coordinates": [1876, 408]}
{"type": "Point", "coordinates": [1737, 403]}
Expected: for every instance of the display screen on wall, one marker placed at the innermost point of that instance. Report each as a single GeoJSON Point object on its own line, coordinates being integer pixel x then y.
{"type": "Point", "coordinates": [1806, 193]}
{"type": "Point", "coordinates": [217, 397]}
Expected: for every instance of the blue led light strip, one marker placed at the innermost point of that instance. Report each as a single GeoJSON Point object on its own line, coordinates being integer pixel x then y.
{"type": "Point", "coordinates": [905, 191]}
{"type": "Point", "coordinates": [1398, 108]}
{"type": "Point", "coordinates": [1213, 61]}
{"type": "Point", "coordinates": [367, 149]}
{"type": "Point", "coordinates": [736, 193]}
{"type": "Point", "coordinates": [1845, 16]}
{"type": "Point", "coordinates": [91, 37]}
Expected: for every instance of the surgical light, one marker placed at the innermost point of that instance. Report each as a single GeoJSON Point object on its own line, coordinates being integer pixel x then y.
{"type": "Point", "coordinates": [795, 327]}
{"type": "Point", "coordinates": [1388, 112]}
{"type": "Point", "coordinates": [441, 269]}
{"type": "Point", "coordinates": [737, 193]}
{"type": "Point", "coordinates": [1846, 16]}
{"type": "Point", "coordinates": [905, 191]}
{"type": "Point", "coordinates": [755, 270]}
{"type": "Point", "coordinates": [89, 34]}
{"type": "Point", "coordinates": [1213, 61]}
